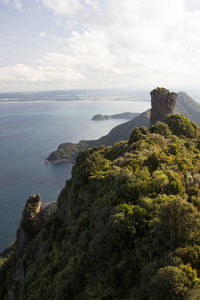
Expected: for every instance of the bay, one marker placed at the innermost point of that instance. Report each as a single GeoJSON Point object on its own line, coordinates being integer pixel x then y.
{"type": "Point", "coordinates": [29, 131]}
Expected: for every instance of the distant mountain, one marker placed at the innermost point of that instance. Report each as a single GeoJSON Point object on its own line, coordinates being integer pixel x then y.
{"type": "Point", "coordinates": [187, 106]}
{"type": "Point", "coordinates": [126, 115]}
{"type": "Point", "coordinates": [184, 105]}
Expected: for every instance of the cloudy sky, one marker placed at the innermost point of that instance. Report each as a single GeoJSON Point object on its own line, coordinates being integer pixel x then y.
{"type": "Point", "coordinates": [72, 44]}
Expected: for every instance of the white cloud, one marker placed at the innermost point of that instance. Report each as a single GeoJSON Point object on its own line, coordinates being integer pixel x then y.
{"type": "Point", "coordinates": [71, 7]}
{"type": "Point", "coordinates": [52, 37]}
{"type": "Point", "coordinates": [119, 43]}
{"type": "Point", "coordinates": [42, 34]}
{"type": "Point", "coordinates": [63, 7]}
{"type": "Point", "coordinates": [23, 77]}
{"type": "Point", "coordinates": [41, 73]}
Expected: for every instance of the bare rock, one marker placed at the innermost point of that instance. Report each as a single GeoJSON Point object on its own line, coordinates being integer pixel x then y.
{"type": "Point", "coordinates": [162, 104]}
{"type": "Point", "coordinates": [29, 223]}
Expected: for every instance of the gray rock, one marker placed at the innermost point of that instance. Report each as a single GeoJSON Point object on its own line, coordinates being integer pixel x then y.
{"type": "Point", "coordinates": [162, 104]}
{"type": "Point", "coordinates": [29, 223]}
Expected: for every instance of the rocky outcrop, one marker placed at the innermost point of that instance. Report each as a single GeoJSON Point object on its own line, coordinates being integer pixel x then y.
{"type": "Point", "coordinates": [33, 218]}
{"type": "Point", "coordinates": [162, 104]}
{"type": "Point", "coordinates": [30, 223]}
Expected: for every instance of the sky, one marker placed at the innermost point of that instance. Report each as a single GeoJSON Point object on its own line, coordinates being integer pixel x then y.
{"type": "Point", "coordinates": [90, 44]}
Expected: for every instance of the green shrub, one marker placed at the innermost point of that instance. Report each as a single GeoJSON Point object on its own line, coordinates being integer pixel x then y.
{"type": "Point", "coordinates": [181, 126]}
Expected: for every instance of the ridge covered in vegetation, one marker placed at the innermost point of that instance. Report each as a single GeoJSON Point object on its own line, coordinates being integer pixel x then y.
{"type": "Point", "coordinates": [184, 105]}
{"type": "Point", "coordinates": [126, 225]}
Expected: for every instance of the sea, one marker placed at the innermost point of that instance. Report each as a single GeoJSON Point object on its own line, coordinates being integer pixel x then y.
{"type": "Point", "coordinates": [29, 132]}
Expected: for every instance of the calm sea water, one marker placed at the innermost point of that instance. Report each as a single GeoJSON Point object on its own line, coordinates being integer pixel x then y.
{"type": "Point", "coordinates": [29, 131]}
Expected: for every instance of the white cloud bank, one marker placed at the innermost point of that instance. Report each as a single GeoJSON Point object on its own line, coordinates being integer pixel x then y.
{"type": "Point", "coordinates": [118, 43]}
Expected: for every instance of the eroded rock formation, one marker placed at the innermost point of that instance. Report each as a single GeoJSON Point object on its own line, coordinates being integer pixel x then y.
{"type": "Point", "coordinates": [30, 223]}
{"type": "Point", "coordinates": [162, 104]}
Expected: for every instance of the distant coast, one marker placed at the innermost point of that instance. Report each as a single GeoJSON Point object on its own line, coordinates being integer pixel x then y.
{"type": "Point", "coordinates": [126, 115]}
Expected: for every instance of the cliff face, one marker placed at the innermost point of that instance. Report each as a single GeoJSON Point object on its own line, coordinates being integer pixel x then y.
{"type": "Point", "coordinates": [162, 103]}
{"type": "Point", "coordinates": [31, 223]}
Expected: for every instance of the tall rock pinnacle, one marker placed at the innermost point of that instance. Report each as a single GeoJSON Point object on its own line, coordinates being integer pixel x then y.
{"type": "Point", "coordinates": [162, 103]}
{"type": "Point", "coordinates": [29, 223]}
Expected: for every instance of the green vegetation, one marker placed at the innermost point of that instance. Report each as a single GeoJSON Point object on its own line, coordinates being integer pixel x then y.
{"type": "Point", "coordinates": [188, 107]}
{"type": "Point", "coordinates": [67, 151]}
{"type": "Point", "coordinates": [180, 125]}
{"type": "Point", "coordinates": [29, 214]}
{"type": "Point", "coordinates": [126, 226]}
{"type": "Point", "coordinates": [161, 90]}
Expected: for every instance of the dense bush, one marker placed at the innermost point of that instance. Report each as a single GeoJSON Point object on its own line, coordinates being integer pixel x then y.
{"type": "Point", "coordinates": [180, 125]}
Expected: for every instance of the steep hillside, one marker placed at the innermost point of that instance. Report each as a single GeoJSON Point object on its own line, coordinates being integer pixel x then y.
{"type": "Point", "coordinates": [125, 226]}
{"type": "Point", "coordinates": [187, 106]}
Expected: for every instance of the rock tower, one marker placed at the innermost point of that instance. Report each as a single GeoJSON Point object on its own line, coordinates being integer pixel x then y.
{"type": "Point", "coordinates": [162, 104]}
{"type": "Point", "coordinates": [29, 223]}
